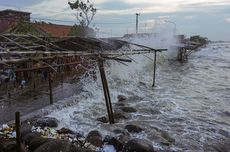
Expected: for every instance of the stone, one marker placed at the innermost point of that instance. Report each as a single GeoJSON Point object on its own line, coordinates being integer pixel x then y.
{"type": "Point", "coordinates": [118, 145]}
{"type": "Point", "coordinates": [121, 131]}
{"type": "Point", "coordinates": [54, 146]}
{"type": "Point", "coordinates": [226, 113]}
{"type": "Point", "coordinates": [119, 116]}
{"type": "Point", "coordinates": [123, 138]}
{"type": "Point", "coordinates": [36, 142]}
{"type": "Point", "coordinates": [76, 148]}
{"type": "Point", "coordinates": [95, 138]}
{"type": "Point", "coordinates": [138, 145]}
{"type": "Point", "coordinates": [103, 119]}
{"type": "Point", "coordinates": [128, 109]}
{"type": "Point", "coordinates": [25, 129]}
{"type": "Point", "coordinates": [133, 128]}
{"type": "Point", "coordinates": [10, 146]}
{"type": "Point", "coordinates": [47, 122]}
{"type": "Point", "coordinates": [65, 131]}
{"type": "Point", "coordinates": [166, 136]}
{"type": "Point", "coordinates": [121, 98]}
{"type": "Point", "coordinates": [29, 137]}
{"type": "Point", "coordinates": [120, 104]}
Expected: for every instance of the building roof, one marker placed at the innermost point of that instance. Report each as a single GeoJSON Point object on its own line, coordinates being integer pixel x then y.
{"type": "Point", "coordinates": [54, 29]}
{"type": "Point", "coordinates": [14, 11]}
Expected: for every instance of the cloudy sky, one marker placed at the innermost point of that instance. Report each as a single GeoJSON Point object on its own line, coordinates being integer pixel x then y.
{"type": "Point", "coordinates": [210, 18]}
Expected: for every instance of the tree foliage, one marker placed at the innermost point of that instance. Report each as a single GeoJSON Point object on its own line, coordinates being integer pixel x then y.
{"type": "Point", "coordinates": [85, 11]}
{"type": "Point", "coordinates": [79, 30]}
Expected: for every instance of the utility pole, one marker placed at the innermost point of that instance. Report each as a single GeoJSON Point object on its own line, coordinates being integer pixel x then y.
{"type": "Point", "coordinates": [137, 14]}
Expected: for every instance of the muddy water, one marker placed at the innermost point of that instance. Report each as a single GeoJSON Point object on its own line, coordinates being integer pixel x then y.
{"type": "Point", "coordinates": [34, 100]}
{"type": "Point", "coordinates": [191, 101]}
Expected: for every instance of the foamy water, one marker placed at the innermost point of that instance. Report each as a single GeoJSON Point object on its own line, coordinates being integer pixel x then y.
{"type": "Point", "coordinates": [190, 101]}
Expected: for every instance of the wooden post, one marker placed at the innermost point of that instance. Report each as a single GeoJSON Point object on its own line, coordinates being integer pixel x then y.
{"type": "Point", "coordinates": [154, 69]}
{"type": "Point", "coordinates": [106, 91]}
{"type": "Point", "coordinates": [50, 87]}
{"type": "Point", "coordinates": [18, 133]}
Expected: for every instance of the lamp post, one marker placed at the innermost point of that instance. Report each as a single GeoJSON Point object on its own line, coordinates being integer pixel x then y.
{"type": "Point", "coordinates": [137, 14]}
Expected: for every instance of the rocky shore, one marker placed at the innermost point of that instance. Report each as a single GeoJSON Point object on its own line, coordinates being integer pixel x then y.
{"type": "Point", "coordinates": [42, 135]}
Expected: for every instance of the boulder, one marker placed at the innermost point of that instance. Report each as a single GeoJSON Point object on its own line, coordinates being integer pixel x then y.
{"type": "Point", "coordinates": [47, 122]}
{"type": "Point", "coordinates": [119, 116]}
{"type": "Point", "coordinates": [76, 148]}
{"type": "Point", "coordinates": [121, 131]}
{"type": "Point", "coordinates": [138, 145]}
{"type": "Point", "coordinates": [95, 138]}
{"type": "Point", "coordinates": [128, 109]}
{"type": "Point", "coordinates": [133, 128]}
{"type": "Point", "coordinates": [166, 136]}
{"type": "Point", "coordinates": [29, 137]}
{"type": "Point", "coordinates": [65, 131]}
{"type": "Point", "coordinates": [118, 145]}
{"type": "Point", "coordinates": [9, 145]}
{"type": "Point", "coordinates": [103, 119]}
{"type": "Point", "coordinates": [54, 146]}
{"type": "Point", "coordinates": [226, 113]}
{"type": "Point", "coordinates": [121, 98]}
{"type": "Point", "coordinates": [36, 142]}
{"type": "Point", "coordinates": [25, 129]}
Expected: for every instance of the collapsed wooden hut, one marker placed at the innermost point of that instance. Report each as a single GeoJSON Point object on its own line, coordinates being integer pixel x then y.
{"type": "Point", "coordinates": [25, 58]}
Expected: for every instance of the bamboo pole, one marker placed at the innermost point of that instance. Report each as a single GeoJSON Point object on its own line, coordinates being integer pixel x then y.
{"type": "Point", "coordinates": [50, 88]}
{"type": "Point", "coordinates": [154, 68]}
{"type": "Point", "coordinates": [18, 133]}
{"type": "Point", "coordinates": [106, 91]}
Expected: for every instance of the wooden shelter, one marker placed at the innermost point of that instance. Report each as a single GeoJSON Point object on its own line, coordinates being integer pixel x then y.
{"type": "Point", "coordinates": [24, 56]}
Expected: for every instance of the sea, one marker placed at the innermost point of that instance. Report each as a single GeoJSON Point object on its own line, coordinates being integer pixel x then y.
{"type": "Point", "coordinates": [190, 101]}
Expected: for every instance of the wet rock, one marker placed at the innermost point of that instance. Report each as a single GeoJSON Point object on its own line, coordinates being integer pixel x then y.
{"type": "Point", "coordinates": [166, 136]}
{"type": "Point", "coordinates": [76, 148]}
{"type": "Point", "coordinates": [95, 138]}
{"type": "Point", "coordinates": [119, 116]}
{"type": "Point", "coordinates": [107, 138]}
{"type": "Point", "coordinates": [103, 119]}
{"type": "Point", "coordinates": [10, 146]}
{"type": "Point", "coordinates": [133, 128]}
{"type": "Point", "coordinates": [226, 113]}
{"type": "Point", "coordinates": [128, 109]}
{"type": "Point", "coordinates": [157, 138]}
{"type": "Point", "coordinates": [121, 98]}
{"type": "Point", "coordinates": [36, 142]}
{"type": "Point", "coordinates": [54, 146]}
{"type": "Point", "coordinates": [120, 131]}
{"type": "Point", "coordinates": [120, 104]}
{"type": "Point", "coordinates": [123, 138]}
{"type": "Point", "coordinates": [118, 145]}
{"type": "Point", "coordinates": [29, 137]}
{"type": "Point", "coordinates": [47, 122]}
{"type": "Point", "coordinates": [138, 145]}
{"type": "Point", "coordinates": [65, 131]}
{"type": "Point", "coordinates": [25, 129]}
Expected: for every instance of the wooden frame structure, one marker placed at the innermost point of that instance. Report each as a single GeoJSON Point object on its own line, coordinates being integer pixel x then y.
{"type": "Point", "coordinates": [29, 49]}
